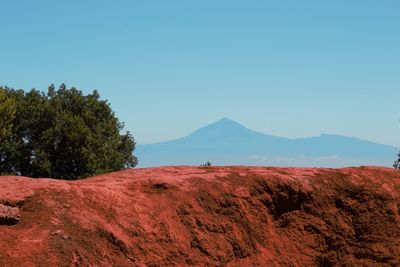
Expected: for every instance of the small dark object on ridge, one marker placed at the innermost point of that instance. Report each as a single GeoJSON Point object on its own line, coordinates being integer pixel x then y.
{"type": "Point", "coordinates": [396, 164]}
{"type": "Point", "coordinates": [207, 164]}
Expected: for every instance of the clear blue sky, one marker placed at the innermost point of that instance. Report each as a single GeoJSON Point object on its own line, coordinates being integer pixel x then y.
{"type": "Point", "coordinates": [288, 68]}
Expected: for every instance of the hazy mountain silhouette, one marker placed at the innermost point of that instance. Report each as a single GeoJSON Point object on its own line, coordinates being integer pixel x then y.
{"type": "Point", "coordinates": [227, 142]}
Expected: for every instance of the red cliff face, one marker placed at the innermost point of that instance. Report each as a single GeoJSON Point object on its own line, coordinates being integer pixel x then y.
{"type": "Point", "coordinates": [217, 216]}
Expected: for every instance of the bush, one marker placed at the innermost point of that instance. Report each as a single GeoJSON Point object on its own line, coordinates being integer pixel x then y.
{"type": "Point", "coordinates": [64, 134]}
{"type": "Point", "coordinates": [396, 164]}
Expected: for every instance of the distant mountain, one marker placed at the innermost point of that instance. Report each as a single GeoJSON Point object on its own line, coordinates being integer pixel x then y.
{"type": "Point", "coordinates": [227, 142]}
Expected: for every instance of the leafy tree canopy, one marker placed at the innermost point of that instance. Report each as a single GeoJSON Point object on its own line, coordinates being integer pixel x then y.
{"type": "Point", "coordinates": [62, 134]}
{"type": "Point", "coordinates": [7, 114]}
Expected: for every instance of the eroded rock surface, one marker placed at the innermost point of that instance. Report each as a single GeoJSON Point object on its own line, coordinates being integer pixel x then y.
{"type": "Point", "coordinates": [217, 216]}
{"type": "Point", "coordinates": [9, 215]}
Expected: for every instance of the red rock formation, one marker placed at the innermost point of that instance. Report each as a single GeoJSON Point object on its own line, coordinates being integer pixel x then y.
{"type": "Point", "coordinates": [233, 216]}
{"type": "Point", "coordinates": [9, 215]}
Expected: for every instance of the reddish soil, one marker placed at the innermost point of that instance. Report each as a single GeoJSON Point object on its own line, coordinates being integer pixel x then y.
{"type": "Point", "coordinates": [217, 216]}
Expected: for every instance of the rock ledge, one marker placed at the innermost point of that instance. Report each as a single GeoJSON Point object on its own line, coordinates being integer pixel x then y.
{"type": "Point", "coordinates": [9, 215]}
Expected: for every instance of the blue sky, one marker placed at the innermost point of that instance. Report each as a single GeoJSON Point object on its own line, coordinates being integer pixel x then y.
{"type": "Point", "coordinates": [288, 68]}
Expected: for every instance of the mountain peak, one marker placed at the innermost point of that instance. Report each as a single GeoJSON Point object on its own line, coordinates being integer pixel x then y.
{"type": "Point", "coordinates": [226, 121]}
{"type": "Point", "coordinates": [226, 124]}
{"type": "Point", "coordinates": [222, 128]}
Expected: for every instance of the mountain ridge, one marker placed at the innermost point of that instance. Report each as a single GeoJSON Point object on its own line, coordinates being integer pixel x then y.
{"type": "Point", "coordinates": [227, 142]}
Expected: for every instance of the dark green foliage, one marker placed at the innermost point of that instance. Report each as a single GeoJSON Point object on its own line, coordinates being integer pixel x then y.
{"type": "Point", "coordinates": [7, 114]}
{"type": "Point", "coordinates": [396, 164]}
{"type": "Point", "coordinates": [207, 164]}
{"type": "Point", "coordinates": [64, 134]}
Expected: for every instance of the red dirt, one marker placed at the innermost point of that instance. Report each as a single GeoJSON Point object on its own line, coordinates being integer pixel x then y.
{"type": "Point", "coordinates": [217, 216]}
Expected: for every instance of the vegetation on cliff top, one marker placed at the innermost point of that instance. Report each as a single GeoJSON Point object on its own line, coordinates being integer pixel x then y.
{"type": "Point", "coordinates": [62, 133]}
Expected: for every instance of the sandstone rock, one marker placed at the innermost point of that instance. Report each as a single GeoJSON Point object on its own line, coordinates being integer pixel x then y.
{"type": "Point", "coordinates": [219, 216]}
{"type": "Point", "coordinates": [9, 215]}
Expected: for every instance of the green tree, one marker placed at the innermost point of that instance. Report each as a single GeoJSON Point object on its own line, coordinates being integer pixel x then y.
{"type": "Point", "coordinates": [396, 164]}
{"type": "Point", "coordinates": [7, 117]}
{"type": "Point", "coordinates": [66, 134]}
{"type": "Point", "coordinates": [7, 114]}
